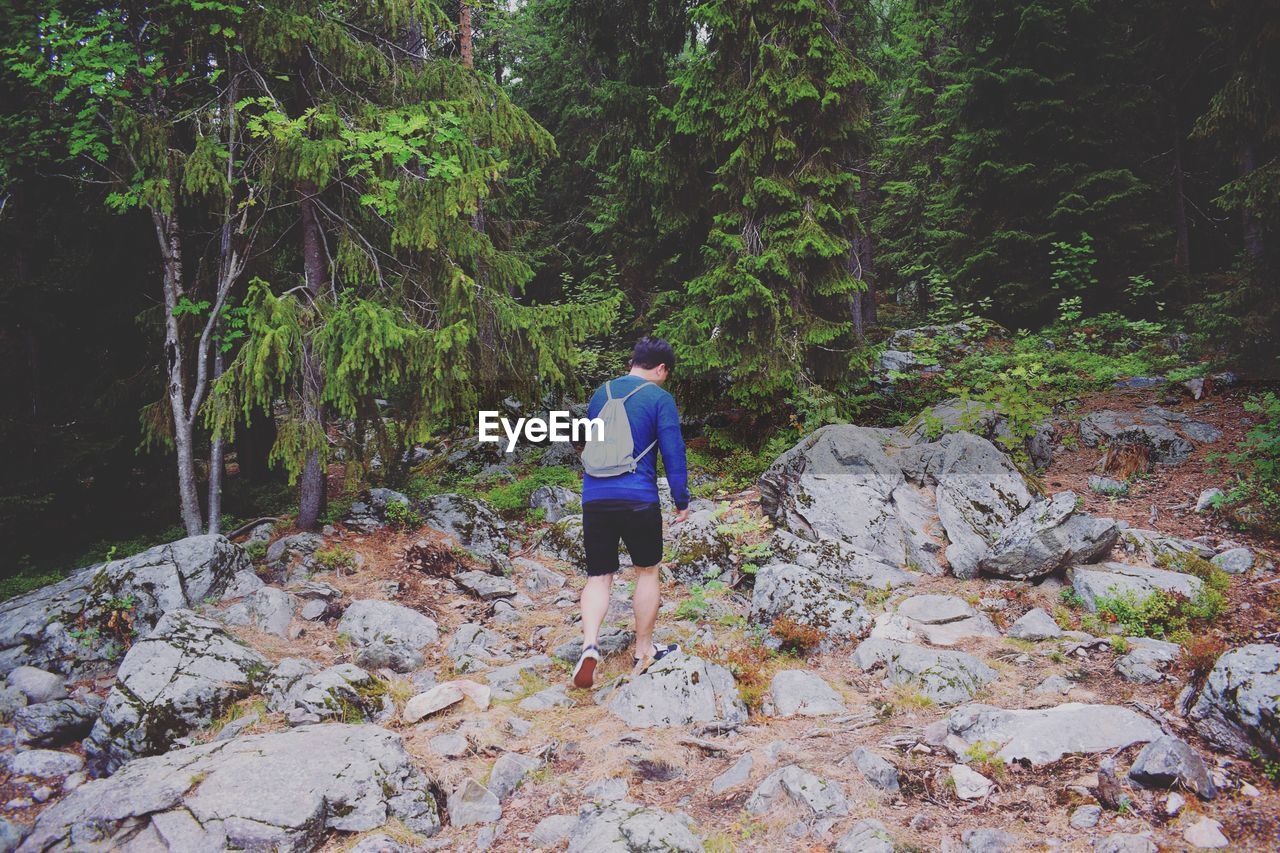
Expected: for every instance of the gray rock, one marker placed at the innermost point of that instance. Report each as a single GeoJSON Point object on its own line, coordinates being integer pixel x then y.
{"type": "Point", "coordinates": [11, 834]}
{"type": "Point", "coordinates": [238, 725]}
{"type": "Point", "coordinates": [508, 772]}
{"type": "Point", "coordinates": [1148, 428]}
{"type": "Point", "coordinates": [485, 586]}
{"type": "Point", "coordinates": [475, 647]}
{"type": "Point", "coordinates": [1239, 706]}
{"type": "Point", "coordinates": [737, 773]}
{"type": "Point", "coordinates": [268, 609]}
{"type": "Point", "coordinates": [450, 745]}
{"type": "Point", "coordinates": [1167, 761]}
{"type": "Point", "coordinates": [177, 679]}
{"type": "Point", "coordinates": [1148, 661]}
{"type": "Point", "coordinates": [701, 552]}
{"type": "Point", "coordinates": [622, 827]}
{"type": "Point", "coordinates": [969, 784]}
{"type": "Point", "coordinates": [612, 641]}
{"type": "Point", "coordinates": [1235, 561]}
{"type": "Point", "coordinates": [539, 578]}
{"type": "Point", "coordinates": [1205, 834]}
{"type": "Point", "coordinates": [36, 629]}
{"type": "Point", "coordinates": [798, 692]}
{"type": "Point", "coordinates": [823, 798]}
{"type": "Point", "coordinates": [1045, 735]}
{"type": "Point", "coordinates": [508, 682]}
{"type": "Point", "coordinates": [379, 843]}
{"type": "Point", "coordinates": [556, 502]}
{"type": "Point", "coordinates": [12, 700]}
{"type": "Point", "coordinates": [1048, 536]}
{"type": "Point", "coordinates": [313, 609]}
{"type": "Point", "coordinates": [42, 763]}
{"type": "Point", "coordinates": [1054, 685]}
{"type": "Point", "coordinates": [987, 420]}
{"type": "Point", "coordinates": [941, 620]}
{"type": "Point", "coordinates": [563, 541]}
{"type": "Point", "coordinates": [977, 490]}
{"type": "Point", "coordinates": [1123, 842]}
{"type": "Point", "coordinates": [38, 685]}
{"type": "Point", "coordinates": [55, 723]}
{"type": "Point", "coordinates": [613, 789]}
{"type": "Point", "coordinates": [839, 562]}
{"type": "Point", "coordinates": [241, 584]}
{"type": "Point", "coordinates": [552, 830]}
{"type": "Point", "coordinates": [944, 676]}
{"type": "Point", "coordinates": [369, 621]}
{"type": "Point", "coordinates": [809, 598]}
{"type": "Point", "coordinates": [1035, 625]}
{"type": "Point", "coordinates": [288, 548]}
{"type": "Point", "coordinates": [1152, 546]}
{"type": "Point", "coordinates": [476, 527]}
{"type": "Point", "coordinates": [1112, 579]}
{"type": "Point", "coordinates": [1086, 817]}
{"type": "Point", "coordinates": [866, 836]}
{"type": "Point", "coordinates": [473, 803]}
{"type": "Point", "coordinates": [989, 840]}
{"type": "Point", "coordinates": [877, 770]}
{"type": "Point", "coordinates": [1108, 486]}
{"type": "Point", "coordinates": [676, 691]}
{"type": "Point", "coordinates": [1204, 503]}
{"type": "Point", "coordinates": [338, 692]}
{"type": "Point", "coordinates": [281, 790]}
{"type": "Point", "coordinates": [371, 514]}
{"type": "Point", "coordinates": [552, 697]}
{"type": "Point", "coordinates": [380, 655]}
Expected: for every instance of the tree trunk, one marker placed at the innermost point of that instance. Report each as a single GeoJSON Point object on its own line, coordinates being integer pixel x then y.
{"type": "Point", "coordinates": [1251, 225]}
{"type": "Point", "coordinates": [464, 35]}
{"type": "Point", "coordinates": [167, 232]}
{"type": "Point", "coordinates": [217, 459]}
{"type": "Point", "coordinates": [312, 487]}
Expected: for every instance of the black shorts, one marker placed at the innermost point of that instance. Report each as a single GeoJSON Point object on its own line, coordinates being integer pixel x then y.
{"type": "Point", "coordinates": [606, 522]}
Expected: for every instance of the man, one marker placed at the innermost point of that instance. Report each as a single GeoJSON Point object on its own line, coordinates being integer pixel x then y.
{"type": "Point", "coordinates": [624, 506]}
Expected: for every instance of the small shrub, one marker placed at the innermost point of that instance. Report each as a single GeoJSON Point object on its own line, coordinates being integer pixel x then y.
{"type": "Point", "coordinates": [750, 663]}
{"type": "Point", "coordinates": [256, 550]}
{"type": "Point", "coordinates": [797, 638]}
{"type": "Point", "coordinates": [402, 516]}
{"type": "Point", "coordinates": [1254, 498]}
{"type": "Point", "coordinates": [696, 605]}
{"type": "Point", "coordinates": [336, 558]}
{"type": "Point", "coordinates": [1200, 653]}
{"type": "Point", "coordinates": [983, 755]}
{"type": "Point", "coordinates": [1070, 598]}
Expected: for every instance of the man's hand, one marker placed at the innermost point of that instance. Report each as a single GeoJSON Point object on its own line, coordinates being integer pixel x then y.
{"type": "Point", "coordinates": [682, 515]}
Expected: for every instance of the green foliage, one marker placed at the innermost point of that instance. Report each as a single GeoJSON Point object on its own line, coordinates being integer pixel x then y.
{"type": "Point", "coordinates": [1161, 614]}
{"type": "Point", "coordinates": [1254, 465]}
{"type": "Point", "coordinates": [779, 101]}
{"type": "Point", "coordinates": [402, 515]}
{"type": "Point", "coordinates": [512, 499]}
{"type": "Point", "coordinates": [696, 605]}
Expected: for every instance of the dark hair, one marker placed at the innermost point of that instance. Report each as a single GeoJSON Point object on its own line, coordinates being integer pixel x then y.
{"type": "Point", "coordinates": [650, 352]}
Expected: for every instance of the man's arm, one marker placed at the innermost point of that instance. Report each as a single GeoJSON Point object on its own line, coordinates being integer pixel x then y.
{"type": "Point", "coordinates": [671, 443]}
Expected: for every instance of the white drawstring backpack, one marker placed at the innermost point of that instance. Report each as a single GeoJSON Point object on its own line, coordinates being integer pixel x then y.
{"type": "Point", "coordinates": [611, 456]}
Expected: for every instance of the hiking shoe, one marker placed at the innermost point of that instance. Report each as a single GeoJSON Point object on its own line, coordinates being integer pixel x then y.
{"type": "Point", "coordinates": [659, 652]}
{"type": "Point", "coordinates": [584, 673]}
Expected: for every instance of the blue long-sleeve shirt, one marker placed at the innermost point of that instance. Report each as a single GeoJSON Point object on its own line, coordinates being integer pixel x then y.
{"type": "Point", "coordinates": [652, 413]}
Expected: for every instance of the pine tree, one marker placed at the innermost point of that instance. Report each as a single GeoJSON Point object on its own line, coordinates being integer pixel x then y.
{"type": "Point", "coordinates": [778, 96]}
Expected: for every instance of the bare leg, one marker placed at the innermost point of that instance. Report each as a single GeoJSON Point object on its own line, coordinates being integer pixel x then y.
{"type": "Point", "coordinates": [645, 604]}
{"type": "Point", "coordinates": [595, 604]}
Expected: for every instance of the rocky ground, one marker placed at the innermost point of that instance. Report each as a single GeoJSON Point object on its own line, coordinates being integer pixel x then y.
{"type": "Point", "coordinates": [878, 655]}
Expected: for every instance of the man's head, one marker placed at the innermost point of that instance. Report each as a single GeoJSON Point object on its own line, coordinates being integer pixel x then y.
{"type": "Point", "coordinates": [654, 359]}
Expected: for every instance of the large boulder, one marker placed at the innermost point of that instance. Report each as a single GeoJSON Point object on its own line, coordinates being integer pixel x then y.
{"type": "Point", "coordinates": [341, 692]}
{"type": "Point", "coordinates": [268, 609]}
{"type": "Point", "coordinates": [277, 791]}
{"type": "Point", "coordinates": [370, 513]}
{"type": "Point", "coordinates": [839, 562]}
{"type": "Point", "coordinates": [563, 541]}
{"type": "Point", "coordinates": [701, 551]}
{"type": "Point", "coordinates": [988, 420]}
{"type": "Point", "coordinates": [1170, 437]}
{"type": "Point", "coordinates": [676, 691]}
{"type": "Point", "coordinates": [822, 797]}
{"type": "Point", "coordinates": [556, 502]}
{"type": "Point", "coordinates": [1109, 580]}
{"type": "Point", "coordinates": [977, 491]}
{"type": "Point", "coordinates": [476, 527]}
{"type": "Point", "coordinates": [1152, 546]}
{"type": "Point", "coordinates": [809, 598]}
{"type": "Point", "coordinates": [1043, 736]}
{"type": "Point", "coordinates": [839, 480]}
{"type": "Point", "coordinates": [56, 723]}
{"type": "Point", "coordinates": [1047, 536]}
{"type": "Point", "coordinates": [622, 827]}
{"type": "Point", "coordinates": [69, 628]}
{"type": "Point", "coordinates": [179, 678]}
{"type": "Point", "coordinates": [1239, 708]}
{"type": "Point", "coordinates": [944, 676]}
{"type": "Point", "coordinates": [798, 692]}
{"type": "Point", "coordinates": [399, 631]}
{"type": "Point", "coordinates": [941, 620]}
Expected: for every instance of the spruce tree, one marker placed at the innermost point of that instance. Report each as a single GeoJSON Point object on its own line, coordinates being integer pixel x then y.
{"type": "Point", "coordinates": [778, 99]}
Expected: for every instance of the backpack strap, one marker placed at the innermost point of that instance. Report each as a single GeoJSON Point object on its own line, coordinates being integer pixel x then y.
{"type": "Point", "coordinates": [640, 456]}
{"type": "Point", "coordinates": [634, 390]}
